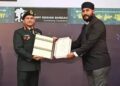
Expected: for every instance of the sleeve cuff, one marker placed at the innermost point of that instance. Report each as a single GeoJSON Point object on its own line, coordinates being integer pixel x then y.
{"type": "Point", "coordinates": [76, 55]}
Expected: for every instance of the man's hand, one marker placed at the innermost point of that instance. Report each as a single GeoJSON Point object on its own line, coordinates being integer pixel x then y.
{"type": "Point", "coordinates": [70, 55]}
{"type": "Point", "coordinates": [37, 58]}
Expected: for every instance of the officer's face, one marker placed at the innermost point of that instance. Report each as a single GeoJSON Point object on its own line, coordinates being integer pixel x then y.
{"type": "Point", "coordinates": [87, 13]}
{"type": "Point", "coordinates": [29, 21]}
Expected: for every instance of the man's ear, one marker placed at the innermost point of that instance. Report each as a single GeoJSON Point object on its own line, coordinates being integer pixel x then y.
{"type": "Point", "coordinates": [93, 11]}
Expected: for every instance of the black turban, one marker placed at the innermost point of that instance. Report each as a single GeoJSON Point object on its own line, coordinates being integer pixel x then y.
{"type": "Point", "coordinates": [87, 5]}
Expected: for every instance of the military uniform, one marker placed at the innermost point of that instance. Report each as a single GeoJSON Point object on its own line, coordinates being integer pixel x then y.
{"type": "Point", "coordinates": [27, 68]}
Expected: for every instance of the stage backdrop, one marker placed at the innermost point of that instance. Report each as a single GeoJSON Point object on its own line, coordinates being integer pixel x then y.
{"type": "Point", "coordinates": [58, 72]}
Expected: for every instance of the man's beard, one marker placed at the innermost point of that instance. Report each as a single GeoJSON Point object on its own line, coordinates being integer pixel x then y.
{"type": "Point", "coordinates": [87, 18]}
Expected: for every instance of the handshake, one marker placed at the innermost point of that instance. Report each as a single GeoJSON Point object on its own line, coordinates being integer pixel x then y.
{"type": "Point", "coordinates": [52, 48]}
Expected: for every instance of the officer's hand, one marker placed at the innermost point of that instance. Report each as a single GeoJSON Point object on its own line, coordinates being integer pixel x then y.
{"type": "Point", "coordinates": [37, 58]}
{"type": "Point", "coordinates": [55, 39]}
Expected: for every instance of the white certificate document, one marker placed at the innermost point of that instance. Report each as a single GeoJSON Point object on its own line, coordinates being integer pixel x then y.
{"type": "Point", "coordinates": [43, 46]}
{"type": "Point", "coordinates": [62, 47]}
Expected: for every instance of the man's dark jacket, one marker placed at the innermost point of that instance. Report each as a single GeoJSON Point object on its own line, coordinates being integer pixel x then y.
{"type": "Point", "coordinates": [91, 44]}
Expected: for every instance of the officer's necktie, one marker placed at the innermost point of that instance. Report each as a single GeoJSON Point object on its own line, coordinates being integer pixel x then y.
{"type": "Point", "coordinates": [32, 31]}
